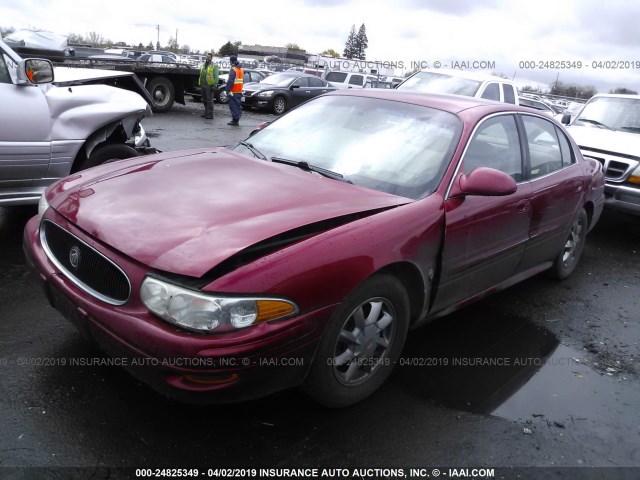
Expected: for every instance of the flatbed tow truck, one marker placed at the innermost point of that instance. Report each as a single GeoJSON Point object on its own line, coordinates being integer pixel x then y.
{"type": "Point", "coordinates": [161, 84]}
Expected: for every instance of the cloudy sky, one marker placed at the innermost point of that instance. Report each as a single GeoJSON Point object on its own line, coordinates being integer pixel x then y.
{"type": "Point", "coordinates": [500, 31]}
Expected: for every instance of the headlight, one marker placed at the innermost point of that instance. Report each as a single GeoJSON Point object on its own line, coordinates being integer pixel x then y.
{"type": "Point", "coordinates": [635, 176]}
{"type": "Point", "coordinates": [268, 93]}
{"type": "Point", "coordinates": [42, 204]}
{"type": "Point", "coordinates": [206, 313]}
{"type": "Point", "coordinates": [140, 137]}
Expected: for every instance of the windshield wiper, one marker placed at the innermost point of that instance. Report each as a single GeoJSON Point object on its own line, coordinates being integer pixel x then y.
{"type": "Point", "coordinates": [595, 122]}
{"type": "Point", "coordinates": [633, 129]}
{"type": "Point", "coordinates": [311, 168]}
{"type": "Point", "coordinates": [253, 150]}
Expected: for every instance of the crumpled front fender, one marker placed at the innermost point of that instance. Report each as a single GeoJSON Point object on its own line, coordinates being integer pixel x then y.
{"type": "Point", "coordinates": [81, 111]}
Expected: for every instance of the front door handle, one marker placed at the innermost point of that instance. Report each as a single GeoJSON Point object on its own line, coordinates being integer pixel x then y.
{"type": "Point", "coordinates": [523, 206]}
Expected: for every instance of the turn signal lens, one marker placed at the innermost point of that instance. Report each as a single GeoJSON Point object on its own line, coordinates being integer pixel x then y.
{"type": "Point", "coordinates": [272, 309]}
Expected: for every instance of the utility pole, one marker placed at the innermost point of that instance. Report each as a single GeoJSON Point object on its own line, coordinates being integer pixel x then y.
{"type": "Point", "coordinates": [177, 44]}
{"type": "Point", "coordinates": [158, 42]}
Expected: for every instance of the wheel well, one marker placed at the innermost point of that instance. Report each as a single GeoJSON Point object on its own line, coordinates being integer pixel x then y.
{"type": "Point", "coordinates": [412, 280]}
{"type": "Point", "coordinates": [114, 133]}
{"type": "Point", "coordinates": [588, 207]}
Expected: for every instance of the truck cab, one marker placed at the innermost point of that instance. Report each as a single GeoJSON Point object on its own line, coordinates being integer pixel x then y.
{"type": "Point", "coordinates": [608, 130]}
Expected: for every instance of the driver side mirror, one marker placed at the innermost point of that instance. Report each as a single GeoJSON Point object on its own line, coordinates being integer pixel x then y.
{"type": "Point", "coordinates": [485, 182]}
{"type": "Point", "coordinates": [566, 119]}
{"type": "Point", "coordinates": [34, 71]}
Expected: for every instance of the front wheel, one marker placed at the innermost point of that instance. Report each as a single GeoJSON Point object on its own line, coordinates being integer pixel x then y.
{"type": "Point", "coordinates": [108, 153]}
{"type": "Point", "coordinates": [567, 260]}
{"type": "Point", "coordinates": [279, 105]}
{"type": "Point", "coordinates": [223, 97]}
{"type": "Point", "coordinates": [362, 343]}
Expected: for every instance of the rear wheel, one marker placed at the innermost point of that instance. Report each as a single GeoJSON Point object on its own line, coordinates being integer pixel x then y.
{"type": "Point", "coordinates": [163, 93]}
{"type": "Point", "coordinates": [362, 343]}
{"type": "Point", "coordinates": [568, 258]}
{"type": "Point", "coordinates": [108, 153]}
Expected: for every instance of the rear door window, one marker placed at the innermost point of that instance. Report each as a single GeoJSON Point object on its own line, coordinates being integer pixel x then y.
{"type": "Point", "coordinates": [545, 155]}
{"type": "Point", "coordinates": [492, 92]}
{"type": "Point", "coordinates": [339, 77]}
{"type": "Point", "coordinates": [316, 82]}
{"type": "Point", "coordinates": [356, 80]}
{"type": "Point", "coordinates": [509, 94]}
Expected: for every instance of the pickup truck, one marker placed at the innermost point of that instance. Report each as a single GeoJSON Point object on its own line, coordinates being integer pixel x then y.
{"type": "Point", "coordinates": [48, 131]}
{"type": "Point", "coordinates": [608, 130]}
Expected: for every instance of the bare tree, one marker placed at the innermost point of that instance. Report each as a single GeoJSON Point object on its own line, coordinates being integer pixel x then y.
{"type": "Point", "coordinates": [95, 39]}
{"type": "Point", "coordinates": [6, 31]}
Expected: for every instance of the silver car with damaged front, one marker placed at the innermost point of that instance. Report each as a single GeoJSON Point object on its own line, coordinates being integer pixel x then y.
{"type": "Point", "coordinates": [49, 131]}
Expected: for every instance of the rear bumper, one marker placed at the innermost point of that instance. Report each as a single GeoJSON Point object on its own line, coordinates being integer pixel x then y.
{"type": "Point", "coordinates": [190, 367]}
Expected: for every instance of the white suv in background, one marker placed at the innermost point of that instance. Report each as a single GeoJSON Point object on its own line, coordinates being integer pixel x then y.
{"type": "Point", "coordinates": [462, 82]}
{"type": "Point", "coordinates": [341, 79]}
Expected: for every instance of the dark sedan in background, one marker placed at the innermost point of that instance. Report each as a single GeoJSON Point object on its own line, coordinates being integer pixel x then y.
{"type": "Point", "coordinates": [283, 91]}
{"type": "Point", "coordinates": [303, 255]}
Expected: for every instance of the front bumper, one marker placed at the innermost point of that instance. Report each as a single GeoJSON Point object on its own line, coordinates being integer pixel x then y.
{"type": "Point", "coordinates": [623, 198]}
{"type": "Point", "coordinates": [197, 368]}
{"type": "Point", "coordinates": [254, 101]}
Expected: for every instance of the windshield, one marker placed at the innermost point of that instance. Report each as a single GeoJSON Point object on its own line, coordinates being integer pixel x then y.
{"type": "Point", "coordinates": [615, 113]}
{"type": "Point", "coordinates": [279, 79]}
{"type": "Point", "coordinates": [384, 145]}
{"type": "Point", "coordinates": [440, 83]}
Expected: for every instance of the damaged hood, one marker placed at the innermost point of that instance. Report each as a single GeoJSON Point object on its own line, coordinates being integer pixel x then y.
{"type": "Point", "coordinates": [185, 212]}
{"type": "Point", "coordinates": [77, 111]}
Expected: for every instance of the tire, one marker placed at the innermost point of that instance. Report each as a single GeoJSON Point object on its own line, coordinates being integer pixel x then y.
{"type": "Point", "coordinates": [222, 97]}
{"type": "Point", "coordinates": [279, 105]}
{"type": "Point", "coordinates": [569, 256]}
{"type": "Point", "coordinates": [108, 153]}
{"type": "Point", "coordinates": [363, 340]}
{"type": "Point", "coordinates": [163, 93]}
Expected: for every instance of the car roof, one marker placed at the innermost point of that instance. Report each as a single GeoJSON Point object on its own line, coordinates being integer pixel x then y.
{"type": "Point", "coordinates": [449, 103]}
{"type": "Point", "coordinates": [470, 74]}
{"type": "Point", "coordinates": [295, 73]}
{"type": "Point", "coordinates": [617, 95]}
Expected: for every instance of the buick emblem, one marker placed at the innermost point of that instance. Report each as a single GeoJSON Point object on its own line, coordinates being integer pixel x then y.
{"type": "Point", "coordinates": [74, 256]}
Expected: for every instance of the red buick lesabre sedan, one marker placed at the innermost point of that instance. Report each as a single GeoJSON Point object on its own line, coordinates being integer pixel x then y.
{"type": "Point", "coordinates": [303, 255]}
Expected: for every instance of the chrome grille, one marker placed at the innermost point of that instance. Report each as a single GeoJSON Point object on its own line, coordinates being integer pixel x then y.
{"type": "Point", "coordinates": [84, 266]}
{"type": "Point", "coordinates": [616, 168]}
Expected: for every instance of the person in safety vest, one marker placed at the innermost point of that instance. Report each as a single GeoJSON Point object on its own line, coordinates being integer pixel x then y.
{"type": "Point", "coordinates": [208, 80]}
{"type": "Point", "coordinates": [234, 90]}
